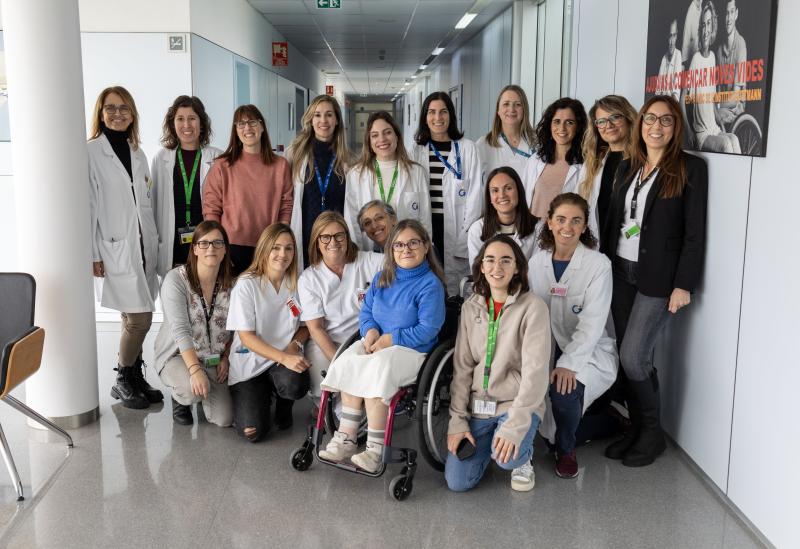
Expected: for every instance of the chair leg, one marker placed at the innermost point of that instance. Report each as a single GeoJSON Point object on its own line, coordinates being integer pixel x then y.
{"type": "Point", "coordinates": [12, 468]}
{"type": "Point", "coordinates": [14, 403]}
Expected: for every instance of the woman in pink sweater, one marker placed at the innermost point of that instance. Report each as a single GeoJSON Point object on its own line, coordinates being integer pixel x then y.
{"type": "Point", "coordinates": [249, 187]}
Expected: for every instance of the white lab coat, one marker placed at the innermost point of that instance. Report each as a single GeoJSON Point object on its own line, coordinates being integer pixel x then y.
{"type": "Point", "coordinates": [578, 321]}
{"type": "Point", "coordinates": [494, 157]}
{"type": "Point", "coordinates": [535, 167]}
{"type": "Point", "coordinates": [463, 203]}
{"type": "Point", "coordinates": [162, 168]}
{"type": "Point", "coordinates": [528, 244]}
{"type": "Point", "coordinates": [574, 187]}
{"type": "Point", "coordinates": [116, 221]}
{"type": "Point", "coordinates": [411, 198]}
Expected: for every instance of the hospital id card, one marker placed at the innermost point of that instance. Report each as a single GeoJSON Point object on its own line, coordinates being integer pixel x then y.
{"type": "Point", "coordinates": [186, 234]}
{"type": "Point", "coordinates": [484, 406]}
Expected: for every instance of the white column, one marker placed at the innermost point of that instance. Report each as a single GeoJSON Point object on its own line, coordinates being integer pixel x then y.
{"type": "Point", "coordinates": [50, 172]}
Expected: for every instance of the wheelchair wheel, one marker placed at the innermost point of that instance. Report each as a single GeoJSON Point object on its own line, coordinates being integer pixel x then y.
{"type": "Point", "coordinates": [749, 133]}
{"type": "Point", "coordinates": [433, 404]}
{"type": "Point", "coordinates": [301, 458]}
{"type": "Point", "coordinates": [401, 487]}
{"type": "Point", "coordinates": [332, 413]}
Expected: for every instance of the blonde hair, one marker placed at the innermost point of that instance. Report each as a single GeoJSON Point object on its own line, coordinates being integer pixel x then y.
{"type": "Point", "coordinates": [302, 146]}
{"type": "Point", "coordinates": [323, 220]}
{"type": "Point", "coordinates": [526, 129]}
{"type": "Point", "coordinates": [97, 115]}
{"type": "Point", "coordinates": [259, 267]}
{"type": "Point", "coordinates": [389, 272]}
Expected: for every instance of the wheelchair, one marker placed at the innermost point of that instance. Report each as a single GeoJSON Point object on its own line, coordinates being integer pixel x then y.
{"type": "Point", "coordinates": [427, 401]}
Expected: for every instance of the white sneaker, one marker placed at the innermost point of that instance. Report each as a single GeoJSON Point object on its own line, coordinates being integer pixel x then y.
{"type": "Point", "coordinates": [370, 459]}
{"type": "Point", "coordinates": [339, 448]}
{"type": "Point", "coordinates": [523, 478]}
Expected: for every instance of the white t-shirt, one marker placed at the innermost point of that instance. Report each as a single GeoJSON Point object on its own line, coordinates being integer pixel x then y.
{"type": "Point", "coordinates": [628, 248]}
{"type": "Point", "coordinates": [474, 242]}
{"type": "Point", "coordinates": [337, 301]}
{"type": "Point", "coordinates": [256, 306]}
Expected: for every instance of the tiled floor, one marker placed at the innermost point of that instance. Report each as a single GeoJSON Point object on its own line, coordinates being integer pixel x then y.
{"type": "Point", "coordinates": [134, 479]}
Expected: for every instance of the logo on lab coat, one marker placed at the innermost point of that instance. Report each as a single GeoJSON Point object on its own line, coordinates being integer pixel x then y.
{"type": "Point", "coordinates": [462, 193]}
{"type": "Point", "coordinates": [414, 206]}
{"type": "Point", "coordinates": [577, 309]}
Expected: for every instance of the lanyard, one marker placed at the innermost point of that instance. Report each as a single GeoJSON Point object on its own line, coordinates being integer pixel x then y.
{"type": "Point", "coordinates": [638, 187]}
{"type": "Point", "coordinates": [514, 149]}
{"type": "Point", "coordinates": [323, 185]}
{"type": "Point", "coordinates": [491, 343]}
{"type": "Point", "coordinates": [188, 184]}
{"type": "Point", "coordinates": [209, 312]}
{"type": "Point", "coordinates": [380, 183]}
{"type": "Point", "coordinates": [457, 170]}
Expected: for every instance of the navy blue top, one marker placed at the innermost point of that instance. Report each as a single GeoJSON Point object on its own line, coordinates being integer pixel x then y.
{"type": "Point", "coordinates": [559, 267]}
{"type": "Point", "coordinates": [312, 197]}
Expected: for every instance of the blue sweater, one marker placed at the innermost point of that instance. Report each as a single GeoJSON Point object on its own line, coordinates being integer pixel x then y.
{"type": "Point", "coordinates": [411, 309]}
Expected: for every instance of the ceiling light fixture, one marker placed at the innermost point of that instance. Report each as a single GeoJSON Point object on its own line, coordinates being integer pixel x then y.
{"type": "Point", "coordinates": [466, 20]}
{"type": "Point", "coordinates": [437, 51]}
{"type": "Point", "coordinates": [423, 67]}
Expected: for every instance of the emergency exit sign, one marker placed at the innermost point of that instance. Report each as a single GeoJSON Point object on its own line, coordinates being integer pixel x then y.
{"type": "Point", "coordinates": [329, 3]}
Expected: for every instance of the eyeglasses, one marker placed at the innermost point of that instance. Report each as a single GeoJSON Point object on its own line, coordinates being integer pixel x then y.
{"type": "Point", "coordinates": [412, 245]}
{"type": "Point", "coordinates": [367, 222]}
{"type": "Point", "coordinates": [242, 124]}
{"type": "Point", "coordinates": [666, 120]}
{"type": "Point", "coordinates": [204, 244]}
{"type": "Point", "coordinates": [114, 109]}
{"type": "Point", "coordinates": [338, 237]}
{"type": "Point", "coordinates": [612, 119]}
{"type": "Point", "coordinates": [503, 262]}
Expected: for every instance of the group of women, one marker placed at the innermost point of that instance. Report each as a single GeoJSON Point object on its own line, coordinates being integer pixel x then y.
{"type": "Point", "coordinates": [268, 264]}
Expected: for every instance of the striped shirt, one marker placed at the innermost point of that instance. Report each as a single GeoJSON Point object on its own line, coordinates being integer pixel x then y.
{"type": "Point", "coordinates": [436, 170]}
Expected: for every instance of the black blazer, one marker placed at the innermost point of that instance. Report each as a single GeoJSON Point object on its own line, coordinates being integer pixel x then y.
{"type": "Point", "coordinates": [673, 237]}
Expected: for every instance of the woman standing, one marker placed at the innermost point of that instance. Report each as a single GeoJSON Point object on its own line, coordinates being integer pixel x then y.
{"type": "Point", "coordinates": [454, 172]}
{"type": "Point", "coordinates": [125, 237]}
{"type": "Point", "coordinates": [385, 172]}
{"type": "Point", "coordinates": [179, 172]}
{"type": "Point", "coordinates": [249, 187]}
{"type": "Point", "coordinates": [319, 159]}
{"type": "Point", "coordinates": [510, 141]}
{"type": "Point", "coordinates": [655, 238]}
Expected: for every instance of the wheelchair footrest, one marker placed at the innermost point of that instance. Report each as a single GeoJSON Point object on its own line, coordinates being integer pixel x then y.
{"type": "Point", "coordinates": [393, 454]}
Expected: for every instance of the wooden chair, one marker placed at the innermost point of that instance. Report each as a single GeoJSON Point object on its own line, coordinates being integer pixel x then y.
{"type": "Point", "coordinates": [22, 344]}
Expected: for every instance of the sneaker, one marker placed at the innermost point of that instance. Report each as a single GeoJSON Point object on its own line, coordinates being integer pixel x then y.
{"type": "Point", "coordinates": [523, 478]}
{"type": "Point", "coordinates": [339, 448]}
{"type": "Point", "coordinates": [567, 465]}
{"type": "Point", "coordinates": [370, 459]}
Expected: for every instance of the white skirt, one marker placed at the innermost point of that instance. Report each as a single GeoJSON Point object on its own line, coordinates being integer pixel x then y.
{"type": "Point", "coordinates": [376, 375]}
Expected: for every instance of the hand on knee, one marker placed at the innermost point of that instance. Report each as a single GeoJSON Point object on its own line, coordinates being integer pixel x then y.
{"type": "Point", "coordinates": [251, 434]}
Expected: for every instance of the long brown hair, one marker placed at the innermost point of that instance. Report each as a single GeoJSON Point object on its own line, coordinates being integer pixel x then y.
{"type": "Point", "coordinates": [526, 129]}
{"type": "Point", "coordinates": [367, 160]}
{"type": "Point", "coordinates": [389, 272]}
{"type": "Point", "coordinates": [547, 240]}
{"type": "Point", "coordinates": [324, 219]}
{"type": "Point", "coordinates": [225, 273]}
{"type": "Point", "coordinates": [235, 147]}
{"type": "Point", "coordinates": [302, 146]}
{"type": "Point", "coordinates": [259, 267]}
{"type": "Point", "coordinates": [524, 220]}
{"type": "Point", "coordinates": [518, 282]}
{"type": "Point", "coordinates": [672, 166]}
{"type": "Point", "coordinates": [169, 136]}
{"type": "Point", "coordinates": [97, 115]}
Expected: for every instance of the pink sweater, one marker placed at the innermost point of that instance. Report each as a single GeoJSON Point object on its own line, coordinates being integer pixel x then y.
{"type": "Point", "coordinates": [248, 197]}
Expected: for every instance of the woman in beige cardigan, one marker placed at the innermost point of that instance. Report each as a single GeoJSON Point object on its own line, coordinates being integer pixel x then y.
{"type": "Point", "coordinates": [500, 371]}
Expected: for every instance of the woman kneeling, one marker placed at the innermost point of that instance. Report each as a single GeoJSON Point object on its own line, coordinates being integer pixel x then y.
{"type": "Point", "coordinates": [401, 317]}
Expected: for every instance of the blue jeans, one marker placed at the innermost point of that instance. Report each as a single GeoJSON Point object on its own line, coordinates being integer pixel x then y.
{"type": "Point", "coordinates": [464, 475]}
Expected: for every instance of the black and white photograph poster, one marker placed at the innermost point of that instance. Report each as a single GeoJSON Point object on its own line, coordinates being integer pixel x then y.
{"type": "Point", "coordinates": [715, 58]}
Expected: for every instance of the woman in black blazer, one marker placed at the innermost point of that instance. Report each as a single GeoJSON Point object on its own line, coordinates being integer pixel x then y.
{"type": "Point", "coordinates": [655, 237]}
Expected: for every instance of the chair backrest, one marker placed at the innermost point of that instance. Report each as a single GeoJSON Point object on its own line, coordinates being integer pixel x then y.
{"type": "Point", "coordinates": [17, 302]}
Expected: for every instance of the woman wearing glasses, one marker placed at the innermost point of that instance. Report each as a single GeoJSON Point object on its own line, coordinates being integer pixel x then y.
{"type": "Point", "coordinates": [574, 280]}
{"type": "Point", "coordinates": [497, 396]}
{"type": "Point", "coordinates": [124, 235]}
{"type": "Point", "coordinates": [655, 238]}
{"type": "Point", "coordinates": [332, 289]}
{"type": "Point", "coordinates": [249, 187]}
{"type": "Point", "coordinates": [385, 172]}
{"type": "Point", "coordinates": [192, 345]}
{"type": "Point", "coordinates": [608, 139]}
{"type": "Point", "coordinates": [179, 172]}
{"type": "Point", "coordinates": [400, 319]}
{"type": "Point", "coordinates": [510, 141]}
{"type": "Point", "coordinates": [319, 159]}
{"type": "Point", "coordinates": [377, 219]}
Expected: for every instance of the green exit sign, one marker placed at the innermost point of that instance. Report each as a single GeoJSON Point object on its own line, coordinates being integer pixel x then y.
{"type": "Point", "coordinates": [329, 3]}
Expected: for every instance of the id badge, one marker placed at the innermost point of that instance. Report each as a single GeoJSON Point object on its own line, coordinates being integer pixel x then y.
{"type": "Point", "coordinates": [212, 360]}
{"type": "Point", "coordinates": [559, 290]}
{"type": "Point", "coordinates": [631, 230]}
{"type": "Point", "coordinates": [186, 234]}
{"type": "Point", "coordinates": [484, 406]}
{"type": "Point", "coordinates": [362, 294]}
{"type": "Point", "coordinates": [293, 308]}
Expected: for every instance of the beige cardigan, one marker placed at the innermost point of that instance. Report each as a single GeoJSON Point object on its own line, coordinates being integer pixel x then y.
{"type": "Point", "coordinates": [519, 376]}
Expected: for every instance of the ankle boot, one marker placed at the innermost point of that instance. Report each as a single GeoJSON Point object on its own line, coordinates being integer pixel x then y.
{"type": "Point", "coordinates": [617, 449]}
{"type": "Point", "coordinates": [650, 444]}
{"type": "Point", "coordinates": [181, 413]}
{"type": "Point", "coordinates": [125, 389]}
{"type": "Point", "coordinates": [283, 413]}
{"type": "Point", "coordinates": [151, 394]}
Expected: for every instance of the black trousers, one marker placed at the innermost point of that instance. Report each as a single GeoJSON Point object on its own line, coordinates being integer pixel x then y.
{"type": "Point", "coordinates": [241, 257]}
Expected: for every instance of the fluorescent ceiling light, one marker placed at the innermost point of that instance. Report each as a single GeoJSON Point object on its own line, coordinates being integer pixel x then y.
{"type": "Point", "coordinates": [466, 20]}
{"type": "Point", "coordinates": [413, 76]}
{"type": "Point", "coordinates": [437, 51]}
{"type": "Point", "coordinates": [423, 67]}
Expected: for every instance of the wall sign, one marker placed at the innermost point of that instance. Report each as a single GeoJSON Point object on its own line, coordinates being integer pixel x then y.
{"type": "Point", "coordinates": [325, 4]}
{"type": "Point", "coordinates": [328, 89]}
{"type": "Point", "coordinates": [280, 54]}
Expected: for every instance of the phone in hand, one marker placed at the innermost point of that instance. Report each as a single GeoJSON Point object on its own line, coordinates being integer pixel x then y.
{"type": "Point", "coordinates": [465, 449]}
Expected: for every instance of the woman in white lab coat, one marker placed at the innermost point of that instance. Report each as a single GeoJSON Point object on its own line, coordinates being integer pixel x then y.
{"type": "Point", "coordinates": [385, 172]}
{"type": "Point", "coordinates": [454, 173]}
{"type": "Point", "coordinates": [179, 171]}
{"type": "Point", "coordinates": [124, 235]}
{"type": "Point", "coordinates": [511, 140]}
{"type": "Point", "coordinates": [575, 281]}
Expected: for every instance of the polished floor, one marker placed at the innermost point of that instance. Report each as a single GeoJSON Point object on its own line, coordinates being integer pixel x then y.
{"type": "Point", "coordinates": [134, 479]}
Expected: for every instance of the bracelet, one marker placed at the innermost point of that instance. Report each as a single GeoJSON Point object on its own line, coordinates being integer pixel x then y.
{"type": "Point", "coordinates": [299, 345]}
{"type": "Point", "coordinates": [195, 365]}
{"type": "Point", "coordinates": [193, 373]}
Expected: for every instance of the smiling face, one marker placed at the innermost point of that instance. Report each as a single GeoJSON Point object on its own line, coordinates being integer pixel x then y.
{"type": "Point", "coordinates": [377, 224]}
{"type": "Point", "coordinates": [511, 110]}
{"type": "Point", "coordinates": [503, 194]}
{"type": "Point", "coordinates": [324, 121]}
{"type": "Point", "coordinates": [499, 266]}
{"type": "Point", "coordinates": [187, 128]}
{"type": "Point", "coordinates": [657, 137]}
{"type": "Point", "coordinates": [211, 256]}
{"type": "Point", "coordinates": [335, 251]}
{"type": "Point", "coordinates": [405, 257]}
{"type": "Point", "coordinates": [613, 132]}
{"type": "Point", "coordinates": [673, 38]}
{"type": "Point", "coordinates": [249, 136]}
{"type": "Point", "coordinates": [706, 29]}
{"type": "Point", "coordinates": [383, 140]}
{"type": "Point", "coordinates": [117, 114]}
{"type": "Point", "coordinates": [731, 14]}
{"type": "Point", "coordinates": [281, 255]}
{"type": "Point", "coordinates": [563, 127]}
{"type": "Point", "coordinates": [438, 120]}
{"type": "Point", "coordinates": [567, 224]}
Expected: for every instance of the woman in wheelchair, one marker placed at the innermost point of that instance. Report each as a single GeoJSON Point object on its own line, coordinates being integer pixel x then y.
{"type": "Point", "coordinates": [500, 371]}
{"type": "Point", "coordinates": [402, 314]}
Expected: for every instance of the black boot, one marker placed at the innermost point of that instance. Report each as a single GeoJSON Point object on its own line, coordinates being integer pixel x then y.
{"type": "Point", "coordinates": [151, 394]}
{"type": "Point", "coordinates": [283, 413]}
{"type": "Point", "coordinates": [181, 413]}
{"type": "Point", "coordinates": [616, 450]}
{"type": "Point", "coordinates": [650, 444]}
{"type": "Point", "coordinates": [126, 390]}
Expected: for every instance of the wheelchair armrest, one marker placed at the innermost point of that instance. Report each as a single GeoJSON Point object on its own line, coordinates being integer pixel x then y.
{"type": "Point", "coordinates": [21, 359]}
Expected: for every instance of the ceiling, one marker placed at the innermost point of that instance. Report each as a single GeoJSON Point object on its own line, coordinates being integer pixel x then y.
{"type": "Point", "coordinates": [373, 46]}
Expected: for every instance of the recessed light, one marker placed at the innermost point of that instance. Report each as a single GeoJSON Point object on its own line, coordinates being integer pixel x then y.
{"type": "Point", "coordinates": [466, 20]}
{"type": "Point", "coordinates": [437, 51]}
{"type": "Point", "coordinates": [423, 67]}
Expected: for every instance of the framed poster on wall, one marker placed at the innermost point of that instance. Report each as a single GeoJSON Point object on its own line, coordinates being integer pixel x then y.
{"type": "Point", "coordinates": [455, 94]}
{"type": "Point", "coordinates": [715, 58]}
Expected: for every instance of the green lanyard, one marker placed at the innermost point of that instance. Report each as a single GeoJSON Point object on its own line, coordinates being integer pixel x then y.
{"type": "Point", "coordinates": [189, 184]}
{"type": "Point", "coordinates": [491, 343]}
{"type": "Point", "coordinates": [380, 183]}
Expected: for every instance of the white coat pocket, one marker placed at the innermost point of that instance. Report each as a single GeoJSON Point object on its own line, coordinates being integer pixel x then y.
{"type": "Point", "coordinates": [575, 303]}
{"type": "Point", "coordinates": [409, 205]}
{"type": "Point", "coordinates": [116, 256]}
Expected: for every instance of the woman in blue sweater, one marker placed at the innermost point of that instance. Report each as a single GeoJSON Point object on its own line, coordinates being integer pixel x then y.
{"type": "Point", "coordinates": [401, 317]}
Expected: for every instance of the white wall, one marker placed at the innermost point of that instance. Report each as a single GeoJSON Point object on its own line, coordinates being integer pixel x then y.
{"type": "Point", "coordinates": [725, 361]}
{"type": "Point", "coordinates": [127, 16]}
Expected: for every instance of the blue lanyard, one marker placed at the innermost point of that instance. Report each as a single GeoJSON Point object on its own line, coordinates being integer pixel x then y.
{"type": "Point", "coordinates": [457, 170]}
{"type": "Point", "coordinates": [323, 185]}
{"type": "Point", "coordinates": [514, 149]}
